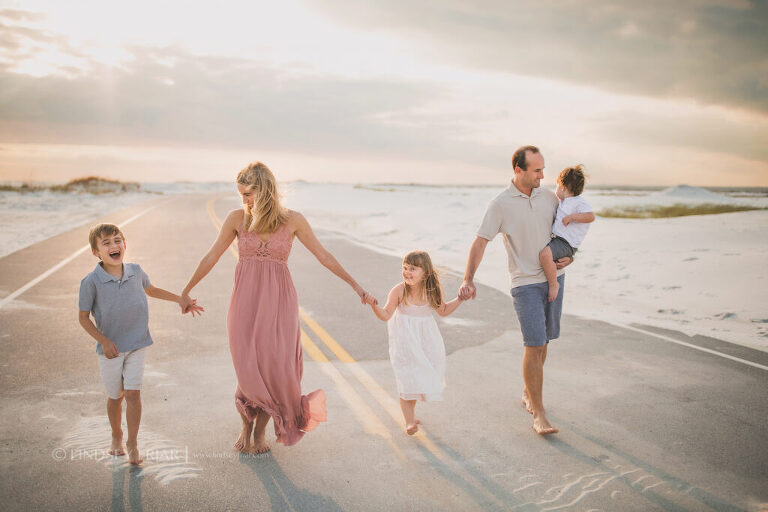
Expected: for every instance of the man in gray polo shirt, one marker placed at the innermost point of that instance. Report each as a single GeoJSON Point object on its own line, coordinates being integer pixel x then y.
{"type": "Point", "coordinates": [523, 214]}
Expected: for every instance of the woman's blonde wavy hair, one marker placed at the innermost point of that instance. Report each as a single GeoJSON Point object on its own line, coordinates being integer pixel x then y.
{"type": "Point", "coordinates": [432, 287]}
{"type": "Point", "coordinates": [267, 214]}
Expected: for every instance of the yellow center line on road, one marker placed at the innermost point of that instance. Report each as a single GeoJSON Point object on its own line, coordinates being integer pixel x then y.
{"type": "Point", "coordinates": [386, 401]}
{"type": "Point", "coordinates": [390, 405]}
{"type": "Point", "coordinates": [364, 414]}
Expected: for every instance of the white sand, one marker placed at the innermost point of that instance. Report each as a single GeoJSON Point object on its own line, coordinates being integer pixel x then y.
{"type": "Point", "coordinates": [702, 274]}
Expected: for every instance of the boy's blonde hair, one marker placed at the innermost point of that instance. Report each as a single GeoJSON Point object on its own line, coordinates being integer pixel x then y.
{"type": "Point", "coordinates": [573, 178]}
{"type": "Point", "coordinates": [267, 214]}
{"type": "Point", "coordinates": [432, 286]}
{"type": "Point", "coordinates": [101, 231]}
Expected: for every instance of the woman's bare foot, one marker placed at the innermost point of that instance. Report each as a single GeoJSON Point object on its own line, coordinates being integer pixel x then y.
{"type": "Point", "coordinates": [243, 443]}
{"type": "Point", "coordinates": [259, 429]}
{"type": "Point", "coordinates": [526, 402]}
{"type": "Point", "coordinates": [117, 445]}
{"type": "Point", "coordinates": [554, 289]}
{"type": "Point", "coordinates": [542, 427]}
{"type": "Point", "coordinates": [260, 443]}
{"type": "Point", "coordinates": [412, 428]}
{"type": "Point", "coordinates": [133, 453]}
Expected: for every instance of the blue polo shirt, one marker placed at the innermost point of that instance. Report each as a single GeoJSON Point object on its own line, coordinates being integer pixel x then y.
{"type": "Point", "coordinates": [119, 306]}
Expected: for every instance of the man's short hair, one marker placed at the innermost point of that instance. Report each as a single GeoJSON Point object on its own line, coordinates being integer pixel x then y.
{"type": "Point", "coordinates": [573, 179]}
{"type": "Point", "coordinates": [518, 159]}
{"type": "Point", "coordinates": [102, 231]}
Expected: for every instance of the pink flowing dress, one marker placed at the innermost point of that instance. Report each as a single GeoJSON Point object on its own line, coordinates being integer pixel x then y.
{"type": "Point", "coordinates": [265, 340]}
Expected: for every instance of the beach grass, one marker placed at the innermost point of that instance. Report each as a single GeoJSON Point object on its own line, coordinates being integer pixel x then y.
{"type": "Point", "coordinates": [677, 210]}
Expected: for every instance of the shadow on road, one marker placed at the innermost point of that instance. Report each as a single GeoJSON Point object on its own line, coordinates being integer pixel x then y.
{"type": "Point", "coordinates": [135, 477]}
{"type": "Point", "coordinates": [282, 492]}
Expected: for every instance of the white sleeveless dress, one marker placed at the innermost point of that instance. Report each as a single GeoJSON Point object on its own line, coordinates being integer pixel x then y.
{"type": "Point", "coordinates": [417, 353]}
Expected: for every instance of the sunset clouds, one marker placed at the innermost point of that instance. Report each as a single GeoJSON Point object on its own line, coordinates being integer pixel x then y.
{"type": "Point", "coordinates": [386, 91]}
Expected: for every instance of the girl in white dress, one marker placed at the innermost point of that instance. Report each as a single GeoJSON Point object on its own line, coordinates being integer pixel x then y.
{"type": "Point", "coordinates": [416, 348]}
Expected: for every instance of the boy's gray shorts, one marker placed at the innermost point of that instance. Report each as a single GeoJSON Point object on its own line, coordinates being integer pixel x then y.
{"type": "Point", "coordinates": [560, 248]}
{"type": "Point", "coordinates": [539, 319]}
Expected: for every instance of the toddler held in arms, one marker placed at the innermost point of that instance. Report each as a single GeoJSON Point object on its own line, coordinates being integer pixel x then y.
{"type": "Point", "coordinates": [570, 227]}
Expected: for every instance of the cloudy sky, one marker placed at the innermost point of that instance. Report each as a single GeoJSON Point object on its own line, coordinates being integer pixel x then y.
{"type": "Point", "coordinates": [641, 92]}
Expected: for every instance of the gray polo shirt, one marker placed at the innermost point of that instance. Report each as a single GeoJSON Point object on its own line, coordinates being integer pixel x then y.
{"type": "Point", "coordinates": [526, 224]}
{"type": "Point", "coordinates": [119, 306]}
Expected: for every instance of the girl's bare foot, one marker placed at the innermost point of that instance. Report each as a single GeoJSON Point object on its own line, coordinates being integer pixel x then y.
{"type": "Point", "coordinates": [412, 428]}
{"type": "Point", "coordinates": [117, 446]}
{"type": "Point", "coordinates": [554, 289]}
{"type": "Point", "coordinates": [243, 443]}
{"type": "Point", "coordinates": [133, 453]}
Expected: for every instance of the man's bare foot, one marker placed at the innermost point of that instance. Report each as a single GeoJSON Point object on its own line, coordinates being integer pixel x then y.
{"type": "Point", "coordinates": [133, 453]}
{"type": "Point", "coordinates": [554, 289]}
{"type": "Point", "coordinates": [542, 427]}
{"type": "Point", "coordinates": [526, 402]}
{"type": "Point", "coordinates": [243, 443]}
{"type": "Point", "coordinates": [117, 446]}
{"type": "Point", "coordinates": [412, 428]}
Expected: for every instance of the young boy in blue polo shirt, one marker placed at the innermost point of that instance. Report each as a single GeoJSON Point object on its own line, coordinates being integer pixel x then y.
{"type": "Point", "coordinates": [115, 293]}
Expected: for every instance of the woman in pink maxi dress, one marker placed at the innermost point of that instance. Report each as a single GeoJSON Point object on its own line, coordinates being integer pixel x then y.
{"type": "Point", "coordinates": [263, 319]}
{"type": "Point", "coordinates": [264, 338]}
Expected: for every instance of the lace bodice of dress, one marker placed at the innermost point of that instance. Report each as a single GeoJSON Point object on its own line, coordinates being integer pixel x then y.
{"type": "Point", "coordinates": [277, 248]}
{"type": "Point", "coordinates": [415, 309]}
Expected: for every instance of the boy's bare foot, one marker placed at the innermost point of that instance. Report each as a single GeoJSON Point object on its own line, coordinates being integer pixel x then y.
{"type": "Point", "coordinates": [117, 446]}
{"type": "Point", "coordinates": [554, 289]}
{"type": "Point", "coordinates": [133, 453]}
{"type": "Point", "coordinates": [243, 443]}
{"type": "Point", "coordinates": [526, 402]}
{"type": "Point", "coordinates": [542, 427]}
{"type": "Point", "coordinates": [412, 428]}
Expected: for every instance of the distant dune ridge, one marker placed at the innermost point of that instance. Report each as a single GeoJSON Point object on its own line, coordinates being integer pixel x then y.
{"type": "Point", "coordinates": [688, 200]}
{"type": "Point", "coordinates": [86, 185]}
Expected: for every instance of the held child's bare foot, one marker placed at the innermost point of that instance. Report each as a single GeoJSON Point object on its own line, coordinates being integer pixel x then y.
{"type": "Point", "coordinates": [542, 427]}
{"type": "Point", "coordinates": [412, 428]}
{"type": "Point", "coordinates": [133, 454]}
{"type": "Point", "coordinates": [554, 289]}
{"type": "Point", "coordinates": [243, 443]}
{"type": "Point", "coordinates": [117, 446]}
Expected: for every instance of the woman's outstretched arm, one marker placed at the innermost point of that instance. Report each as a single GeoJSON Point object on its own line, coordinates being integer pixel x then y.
{"type": "Point", "coordinates": [307, 237]}
{"type": "Point", "coordinates": [223, 241]}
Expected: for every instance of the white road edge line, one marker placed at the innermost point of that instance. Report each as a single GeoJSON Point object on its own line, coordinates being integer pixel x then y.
{"type": "Point", "coordinates": [60, 264]}
{"type": "Point", "coordinates": [690, 345]}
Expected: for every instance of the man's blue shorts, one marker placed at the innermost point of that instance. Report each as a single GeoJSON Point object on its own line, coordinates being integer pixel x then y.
{"type": "Point", "coordinates": [539, 319]}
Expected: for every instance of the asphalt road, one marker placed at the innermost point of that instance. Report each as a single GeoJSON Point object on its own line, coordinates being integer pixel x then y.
{"type": "Point", "coordinates": [646, 423]}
